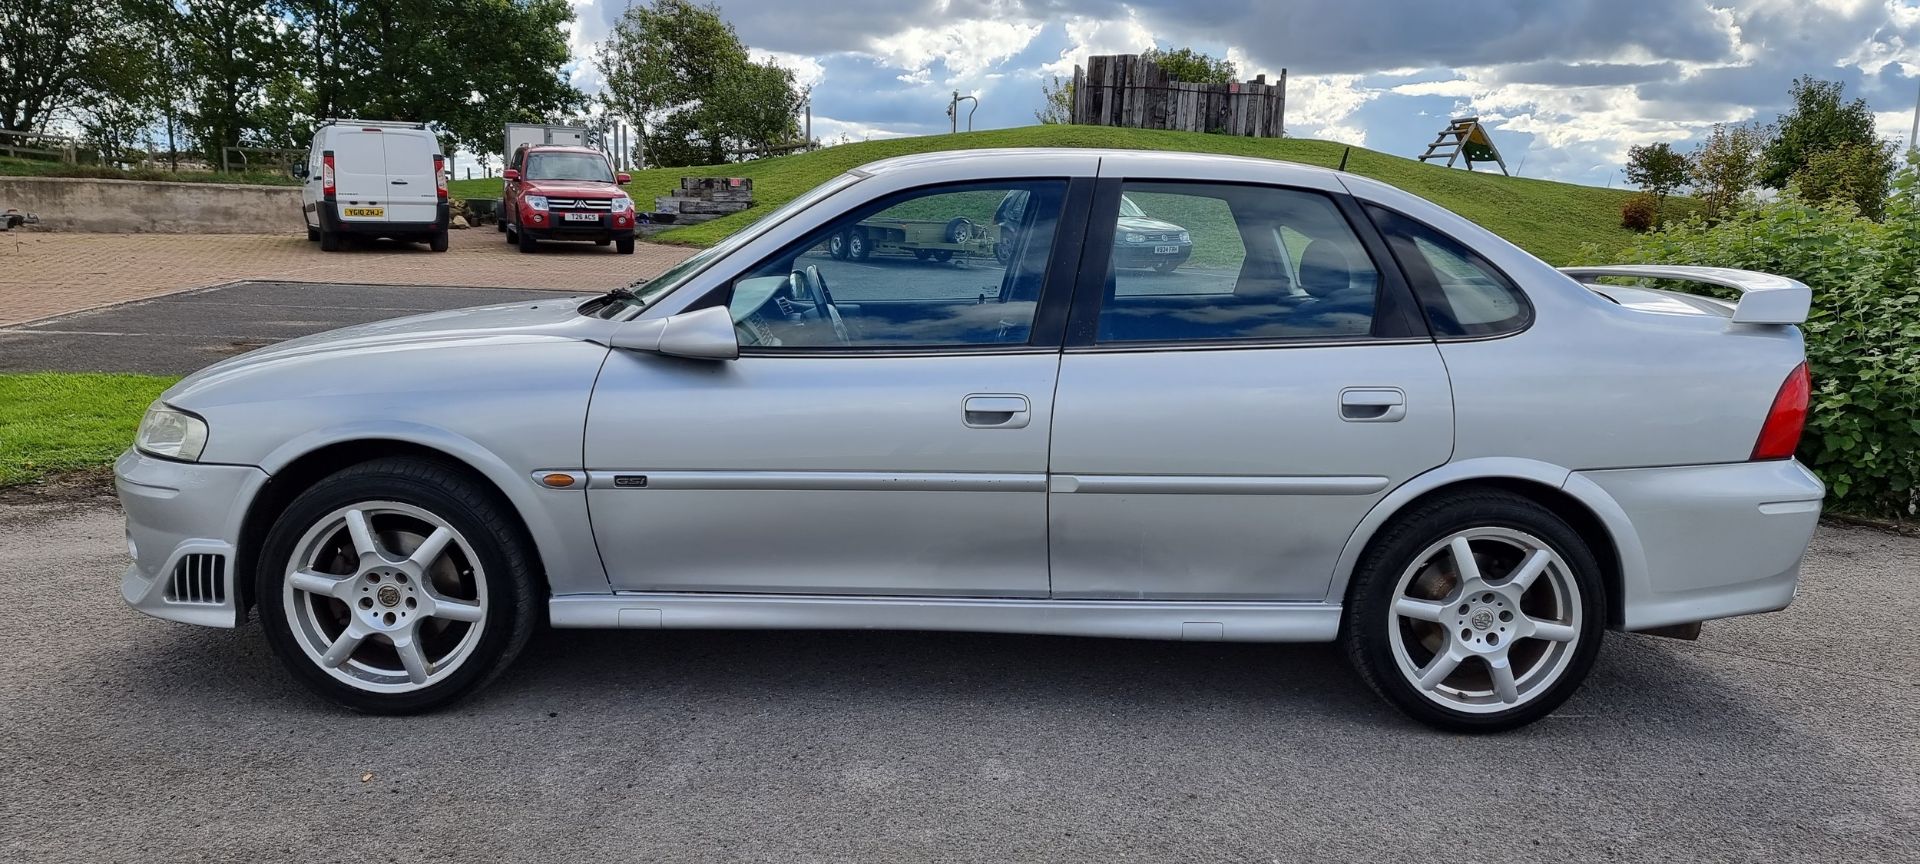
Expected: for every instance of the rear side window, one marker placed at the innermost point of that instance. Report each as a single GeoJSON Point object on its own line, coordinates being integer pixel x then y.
{"type": "Point", "coordinates": [1461, 293]}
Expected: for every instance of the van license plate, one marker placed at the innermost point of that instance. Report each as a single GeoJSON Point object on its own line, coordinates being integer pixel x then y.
{"type": "Point", "coordinates": [582, 217]}
{"type": "Point", "coordinates": [363, 212]}
{"type": "Point", "coordinates": [1165, 250]}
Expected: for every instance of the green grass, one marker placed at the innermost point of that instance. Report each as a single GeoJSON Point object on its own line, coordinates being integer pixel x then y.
{"type": "Point", "coordinates": [17, 167]}
{"type": "Point", "coordinates": [59, 421]}
{"type": "Point", "coordinates": [1551, 220]}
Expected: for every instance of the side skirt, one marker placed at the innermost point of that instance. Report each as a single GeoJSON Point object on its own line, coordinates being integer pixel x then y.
{"type": "Point", "coordinates": [1125, 619]}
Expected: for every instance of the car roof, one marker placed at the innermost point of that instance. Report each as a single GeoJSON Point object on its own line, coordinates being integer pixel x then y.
{"type": "Point", "coordinates": [1015, 157]}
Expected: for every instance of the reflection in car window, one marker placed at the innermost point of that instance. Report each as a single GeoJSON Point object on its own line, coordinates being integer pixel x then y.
{"type": "Point", "coordinates": [947, 266]}
{"type": "Point", "coordinates": [568, 166]}
{"type": "Point", "coordinates": [1197, 262]}
{"type": "Point", "coordinates": [1461, 293]}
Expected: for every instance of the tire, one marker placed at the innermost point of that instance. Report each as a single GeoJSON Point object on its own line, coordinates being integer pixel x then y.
{"type": "Point", "coordinates": [942, 256]}
{"type": "Point", "coordinates": [1411, 559]}
{"type": "Point", "coordinates": [313, 234]}
{"type": "Point", "coordinates": [837, 246]}
{"type": "Point", "coordinates": [525, 241]}
{"type": "Point", "coordinates": [959, 230]}
{"type": "Point", "coordinates": [859, 248]}
{"type": "Point", "coordinates": [1003, 250]}
{"type": "Point", "coordinates": [922, 254]}
{"type": "Point", "coordinates": [329, 241]}
{"type": "Point", "coordinates": [438, 241]}
{"type": "Point", "coordinates": [500, 222]}
{"type": "Point", "coordinates": [485, 576]}
{"type": "Point", "coordinates": [623, 245]}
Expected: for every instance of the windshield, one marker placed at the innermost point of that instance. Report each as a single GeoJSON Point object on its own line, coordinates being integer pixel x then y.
{"type": "Point", "coordinates": [1130, 209]}
{"type": "Point", "coordinates": [647, 291]}
{"type": "Point", "coordinates": [568, 166]}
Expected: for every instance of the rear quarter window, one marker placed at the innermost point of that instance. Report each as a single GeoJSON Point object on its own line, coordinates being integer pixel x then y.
{"type": "Point", "coordinates": [1461, 293]}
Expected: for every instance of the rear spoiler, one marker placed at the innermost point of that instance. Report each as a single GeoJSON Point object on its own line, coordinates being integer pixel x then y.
{"type": "Point", "coordinates": [1764, 297]}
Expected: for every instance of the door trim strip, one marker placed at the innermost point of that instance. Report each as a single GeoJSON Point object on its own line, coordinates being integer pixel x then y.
{"type": "Point", "coordinates": [845, 481]}
{"type": "Point", "coordinates": [1141, 484]}
{"type": "Point", "coordinates": [1125, 619]}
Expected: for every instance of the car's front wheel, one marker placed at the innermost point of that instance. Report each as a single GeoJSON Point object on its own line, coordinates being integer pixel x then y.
{"type": "Point", "coordinates": [396, 586]}
{"type": "Point", "coordinates": [1479, 611]}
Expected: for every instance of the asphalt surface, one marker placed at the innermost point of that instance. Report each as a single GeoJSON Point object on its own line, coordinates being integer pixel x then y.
{"type": "Point", "coordinates": [1792, 736]}
{"type": "Point", "coordinates": [178, 333]}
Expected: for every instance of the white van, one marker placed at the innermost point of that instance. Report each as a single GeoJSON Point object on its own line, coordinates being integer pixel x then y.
{"type": "Point", "coordinates": [373, 178]}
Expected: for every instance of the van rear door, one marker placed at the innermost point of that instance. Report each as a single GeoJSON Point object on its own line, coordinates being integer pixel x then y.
{"type": "Point", "coordinates": [412, 194]}
{"type": "Point", "coordinates": [360, 175]}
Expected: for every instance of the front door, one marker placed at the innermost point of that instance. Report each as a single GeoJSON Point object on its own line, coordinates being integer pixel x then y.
{"type": "Point", "coordinates": [1246, 382]}
{"type": "Point", "coordinates": [884, 431]}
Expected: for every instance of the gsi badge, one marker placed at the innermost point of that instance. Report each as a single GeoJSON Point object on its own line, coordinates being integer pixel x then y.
{"type": "Point", "coordinates": [630, 481]}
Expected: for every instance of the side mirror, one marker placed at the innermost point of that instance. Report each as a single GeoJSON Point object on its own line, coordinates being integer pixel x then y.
{"type": "Point", "coordinates": [623, 178]}
{"type": "Point", "coordinates": [511, 174]}
{"type": "Point", "coordinates": [703, 334]}
{"type": "Point", "coordinates": [298, 169]}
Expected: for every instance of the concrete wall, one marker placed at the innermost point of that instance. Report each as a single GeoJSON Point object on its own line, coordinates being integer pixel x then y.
{"type": "Point", "coordinates": [141, 206]}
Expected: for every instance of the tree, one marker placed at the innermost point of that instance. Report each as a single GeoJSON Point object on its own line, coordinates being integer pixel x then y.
{"type": "Point", "coordinates": [230, 50]}
{"type": "Point", "coordinates": [467, 66]}
{"type": "Point", "coordinates": [127, 94]}
{"type": "Point", "coordinates": [1193, 67]}
{"type": "Point", "coordinates": [681, 74]}
{"type": "Point", "coordinates": [1818, 121]}
{"type": "Point", "coordinates": [1726, 165]}
{"type": "Point", "coordinates": [1058, 105]}
{"type": "Point", "coordinates": [47, 57]}
{"type": "Point", "coordinates": [1658, 170]}
{"type": "Point", "coordinates": [1851, 172]}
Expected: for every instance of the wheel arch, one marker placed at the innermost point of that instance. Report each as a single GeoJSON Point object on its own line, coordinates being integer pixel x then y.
{"type": "Point", "coordinates": [1593, 514]}
{"type": "Point", "coordinates": [295, 467]}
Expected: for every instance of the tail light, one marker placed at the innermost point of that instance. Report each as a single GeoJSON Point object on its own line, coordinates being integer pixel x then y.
{"type": "Point", "coordinates": [440, 175]}
{"type": "Point", "coordinates": [326, 175]}
{"type": "Point", "coordinates": [1781, 434]}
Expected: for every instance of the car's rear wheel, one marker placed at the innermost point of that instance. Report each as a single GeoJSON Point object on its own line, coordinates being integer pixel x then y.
{"type": "Point", "coordinates": [396, 586]}
{"type": "Point", "coordinates": [329, 240]}
{"type": "Point", "coordinates": [313, 234]}
{"type": "Point", "coordinates": [1476, 612]}
{"type": "Point", "coordinates": [438, 241]}
{"type": "Point", "coordinates": [858, 246]}
{"type": "Point", "coordinates": [837, 245]}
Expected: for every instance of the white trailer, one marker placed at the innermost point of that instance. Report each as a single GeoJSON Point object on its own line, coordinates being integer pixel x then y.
{"type": "Point", "coordinates": [536, 133]}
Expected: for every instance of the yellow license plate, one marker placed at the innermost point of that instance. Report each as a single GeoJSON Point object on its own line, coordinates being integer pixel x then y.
{"type": "Point", "coordinates": [374, 212]}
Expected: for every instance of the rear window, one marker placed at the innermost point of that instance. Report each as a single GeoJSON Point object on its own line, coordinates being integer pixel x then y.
{"type": "Point", "coordinates": [568, 166]}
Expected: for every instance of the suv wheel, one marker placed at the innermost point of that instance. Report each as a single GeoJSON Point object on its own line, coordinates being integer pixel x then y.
{"type": "Point", "coordinates": [525, 240]}
{"type": "Point", "coordinates": [1476, 612]}
{"type": "Point", "coordinates": [623, 245]}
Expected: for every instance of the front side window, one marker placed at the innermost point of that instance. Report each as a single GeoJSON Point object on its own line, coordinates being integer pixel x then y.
{"type": "Point", "coordinates": [1223, 263]}
{"type": "Point", "coordinates": [1461, 293]}
{"type": "Point", "coordinates": [568, 166]}
{"type": "Point", "coordinates": [939, 267]}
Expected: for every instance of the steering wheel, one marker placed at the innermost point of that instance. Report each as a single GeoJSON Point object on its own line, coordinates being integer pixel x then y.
{"type": "Point", "coordinates": [816, 289]}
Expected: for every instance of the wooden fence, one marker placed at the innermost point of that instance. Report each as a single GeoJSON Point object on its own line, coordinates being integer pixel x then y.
{"type": "Point", "coordinates": [1126, 90]}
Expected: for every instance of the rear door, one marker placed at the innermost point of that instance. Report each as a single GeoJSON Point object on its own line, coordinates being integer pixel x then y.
{"type": "Point", "coordinates": [1220, 428]}
{"type": "Point", "coordinates": [412, 194]}
{"type": "Point", "coordinates": [360, 174]}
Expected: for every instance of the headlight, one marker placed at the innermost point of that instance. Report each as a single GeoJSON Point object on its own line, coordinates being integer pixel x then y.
{"type": "Point", "coordinates": [1184, 238]}
{"type": "Point", "coordinates": [1136, 238]}
{"type": "Point", "coordinates": [537, 202]}
{"type": "Point", "coordinates": [622, 204]}
{"type": "Point", "coordinates": [171, 434]}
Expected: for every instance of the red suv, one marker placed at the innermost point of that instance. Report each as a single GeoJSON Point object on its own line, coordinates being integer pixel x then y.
{"type": "Point", "coordinates": [565, 193]}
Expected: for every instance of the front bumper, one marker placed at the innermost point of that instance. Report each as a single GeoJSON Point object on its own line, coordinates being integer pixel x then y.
{"type": "Point", "coordinates": [1718, 540]}
{"type": "Point", "coordinates": [183, 526]}
{"type": "Point", "coordinates": [554, 226]}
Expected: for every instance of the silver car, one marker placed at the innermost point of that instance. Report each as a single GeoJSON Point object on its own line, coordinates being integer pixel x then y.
{"type": "Point", "coordinates": [1351, 416]}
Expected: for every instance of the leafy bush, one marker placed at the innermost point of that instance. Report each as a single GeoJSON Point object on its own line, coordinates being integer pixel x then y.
{"type": "Point", "coordinates": [1863, 335]}
{"type": "Point", "coordinates": [1640, 212]}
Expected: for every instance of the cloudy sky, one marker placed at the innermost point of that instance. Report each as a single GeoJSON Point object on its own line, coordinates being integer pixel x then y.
{"type": "Point", "coordinates": [1566, 85]}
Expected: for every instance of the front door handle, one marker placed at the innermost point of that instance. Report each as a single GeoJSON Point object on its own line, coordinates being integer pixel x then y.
{"type": "Point", "coordinates": [995, 411]}
{"type": "Point", "coordinates": [1372, 404]}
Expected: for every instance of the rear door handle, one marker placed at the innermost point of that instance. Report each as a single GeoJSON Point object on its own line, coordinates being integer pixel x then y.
{"type": "Point", "coordinates": [995, 411]}
{"type": "Point", "coordinates": [399, 182]}
{"type": "Point", "coordinates": [1372, 404]}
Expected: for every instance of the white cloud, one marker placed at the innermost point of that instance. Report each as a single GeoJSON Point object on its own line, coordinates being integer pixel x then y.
{"type": "Point", "coordinates": [965, 48]}
{"type": "Point", "coordinates": [1090, 36]}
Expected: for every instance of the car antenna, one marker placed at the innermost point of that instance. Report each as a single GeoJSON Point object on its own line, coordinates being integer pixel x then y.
{"type": "Point", "coordinates": [1343, 159]}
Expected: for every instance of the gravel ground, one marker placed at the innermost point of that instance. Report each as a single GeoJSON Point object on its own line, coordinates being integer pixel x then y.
{"type": "Point", "coordinates": [1792, 736]}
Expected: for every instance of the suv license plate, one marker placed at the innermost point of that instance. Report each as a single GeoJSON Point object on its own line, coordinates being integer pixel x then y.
{"type": "Point", "coordinates": [581, 217]}
{"type": "Point", "coordinates": [1165, 250]}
